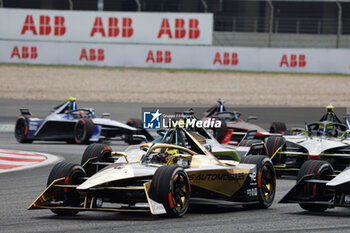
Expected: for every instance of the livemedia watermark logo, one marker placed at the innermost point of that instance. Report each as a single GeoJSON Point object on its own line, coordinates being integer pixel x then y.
{"type": "Point", "coordinates": [156, 118]}
{"type": "Point", "coordinates": [152, 119]}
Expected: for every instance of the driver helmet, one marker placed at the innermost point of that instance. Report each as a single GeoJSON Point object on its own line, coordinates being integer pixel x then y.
{"type": "Point", "coordinates": [72, 104]}
{"type": "Point", "coordinates": [165, 155]}
{"type": "Point", "coordinates": [330, 130]}
{"type": "Point", "coordinates": [330, 108]}
{"type": "Point", "coordinates": [221, 106]}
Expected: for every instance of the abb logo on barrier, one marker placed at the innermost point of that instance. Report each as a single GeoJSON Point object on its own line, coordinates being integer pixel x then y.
{"type": "Point", "coordinates": [226, 58]}
{"type": "Point", "coordinates": [159, 56]}
{"type": "Point", "coordinates": [294, 61]}
{"type": "Point", "coordinates": [92, 55]}
{"type": "Point", "coordinates": [113, 28]}
{"type": "Point", "coordinates": [24, 52]}
{"type": "Point", "coordinates": [45, 28]}
{"type": "Point", "coordinates": [180, 30]}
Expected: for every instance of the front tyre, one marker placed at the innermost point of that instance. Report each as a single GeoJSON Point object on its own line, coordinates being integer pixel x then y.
{"type": "Point", "coordinates": [72, 174]}
{"type": "Point", "coordinates": [318, 169]}
{"type": "Point", "coordinates": [21, 130]}
{"type": "Point", "coordinates": [96, 152]}
{"type": "Point", "coordinates": [171, 187]}
{"type": "Point", "coordinates": [266, 178]}
{"type": "Point", "coordinates": [249, 142]}
{"type": "Point", "coordinates": [273, 143]}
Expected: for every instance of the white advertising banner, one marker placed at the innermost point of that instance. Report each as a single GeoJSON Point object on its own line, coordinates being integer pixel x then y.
{"type": "Point", "coordinates": [179, 57]}
{"type": "Point", "coordinates": [106, 27]}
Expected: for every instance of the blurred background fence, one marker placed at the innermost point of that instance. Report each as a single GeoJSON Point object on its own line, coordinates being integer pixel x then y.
{"type": "Point", "coordinates": [259, 23]}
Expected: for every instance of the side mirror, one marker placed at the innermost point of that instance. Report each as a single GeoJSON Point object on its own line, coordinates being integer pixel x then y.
{"type": "Point", "coordinates": [250, 118]}
{"type": "Point", "coordinates": [120, 154]}
{"type": "Point", "coordinates": [106, 115]}
{"type": "Point", "coordinates": [139, 137]}
{"type": "Point", "coordinates": [301, 130]}
{"type": "Point", "coordinates": [344, 135]}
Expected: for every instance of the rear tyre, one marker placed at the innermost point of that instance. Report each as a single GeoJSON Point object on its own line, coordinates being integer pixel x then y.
{"type": "Point", "coordinates": [278, 127]}
{"type": "Point", "coordinates": [21, 130]}
{"type": "Point", "coordinates": [96, 152]}
{"type": "Point", "coordinates": [171, 187]}
{"type": "Point", "coordinates": [83, 130]}
{"type": "Point", "coordinates": [72, 173]}
{"type": "Point", "coordinates": [136, 123]}
{"type": "Point", "coordinates": [266, 178]}
{"type": "Point", "coordinates": [318, 169]}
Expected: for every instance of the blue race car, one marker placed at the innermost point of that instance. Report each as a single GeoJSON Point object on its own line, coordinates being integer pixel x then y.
{"type": "Point", "coordinates": [68, 123]}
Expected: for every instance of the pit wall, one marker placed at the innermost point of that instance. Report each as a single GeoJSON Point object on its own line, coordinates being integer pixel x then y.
{"type": "Point", "coordinates": [119, 39]}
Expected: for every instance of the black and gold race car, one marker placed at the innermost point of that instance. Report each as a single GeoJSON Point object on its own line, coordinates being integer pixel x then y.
{"type": "Point", "coordinates": [161, 179]}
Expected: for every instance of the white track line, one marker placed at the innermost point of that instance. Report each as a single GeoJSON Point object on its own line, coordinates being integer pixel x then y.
{"type": "Point", "coordinates": [7, 128]}
{"type": "Point", "coordinates": [49, 159]}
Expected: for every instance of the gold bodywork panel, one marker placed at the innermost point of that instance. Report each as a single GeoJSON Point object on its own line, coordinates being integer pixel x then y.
{"type": "Point", "coordinates": [155, 207]}
{"type": "Point", "coordinates": [47, 195]}
{"type": "Point", "coordinates": [223, 181]}
{"type": "Point", "coordinates": [197, 137]}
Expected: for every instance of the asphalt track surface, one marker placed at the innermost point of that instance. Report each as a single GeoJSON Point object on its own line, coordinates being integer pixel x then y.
{"type": "Point", "coordinates": [19, 189]}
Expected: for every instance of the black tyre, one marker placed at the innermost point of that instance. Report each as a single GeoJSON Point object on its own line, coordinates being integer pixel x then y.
{"type": "Point", "coordinates": [21, 130]}
{"type": "Point", "coordinates": [96, 152]}
{"type": "Point", "coordinates": [250, 142]}
{"type": "Point", "coordinates": [220, 133]}
{"type": "Point", "coordinates": [83, 130]}
{"type": "Point", "coordinates": [72, 172]}
{"type": "Point", "coordinates": [318, 169]}
{"type": "Point", "coordinates": [272, 145]}
{"type": "Point", "coordinates": [134, 122]}
{"type": "Point", "coordinates": [278, 127]}
{"type": "Point", "coordinates": [171, 187]}
{"type": "Point", "coordinates": [266, 178]}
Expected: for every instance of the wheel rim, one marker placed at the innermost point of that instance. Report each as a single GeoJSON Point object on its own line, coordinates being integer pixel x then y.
{"type": "Point", "coordinates": [180, 192]}
{"type": "Point", "coordinates": [267, 183]}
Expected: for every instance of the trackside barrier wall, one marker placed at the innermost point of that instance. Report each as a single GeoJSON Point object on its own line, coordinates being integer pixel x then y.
{"type": "Point", "coordinates": [106, 27]}
{"type": "Point", "coordinates": [137, 39]}
{"type": "Point", "coordinates": [177, 56]}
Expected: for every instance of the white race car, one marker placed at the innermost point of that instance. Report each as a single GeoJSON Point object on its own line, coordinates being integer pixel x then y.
{"type": "Point", "coordinates": [326, 140]}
